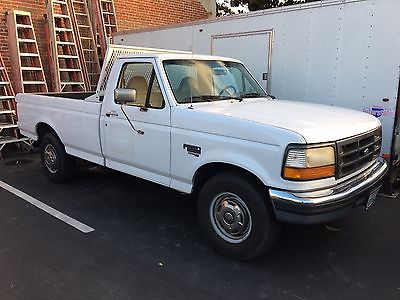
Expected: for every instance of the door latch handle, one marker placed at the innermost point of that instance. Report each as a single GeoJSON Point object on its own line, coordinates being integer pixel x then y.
{"type": "Point", "coordinates": [112, 114]}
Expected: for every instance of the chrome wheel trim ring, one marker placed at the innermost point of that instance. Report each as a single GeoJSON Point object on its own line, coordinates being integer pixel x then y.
{"type": "Point", "coordinates": [230, 217]}
{"type": "Point", "coordinates": [50, 158]}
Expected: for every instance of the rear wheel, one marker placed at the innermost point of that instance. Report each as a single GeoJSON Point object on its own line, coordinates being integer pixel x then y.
{"type": "Point", "coordinates": [236, 216]}
{"type": "Point", "coordinates": [57, 164]}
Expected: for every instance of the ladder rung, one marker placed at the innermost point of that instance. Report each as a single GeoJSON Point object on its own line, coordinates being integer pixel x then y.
{"type": "Point", "coordinates": [34, 82]}
{"type": "Point", "coordinates": [59, 2]}
{"type": "Point", "coordinates": [60, 16]}
{"type": "Point", "coordinates": [107, 13]}
{"type": "Point", "coordinates": [4, 82]}
{"type": "Point", "coordinates": [106, 1]}
{"type": "Point", "coordinates": [80, 14]}
{"type": "Point", "coordinates": [26, 40]}
{"type": "Point", "coordinates": [31, 68]}
{"type": "Point", "coordinates": [85, 38]}
{"type": "Point", "coordinates": [63, 29]}
{"type": "Point", "coordinates": [110, 25]}
{"type": "Point", "coordinates": [6, 98]}
{"type": "Point", "coordinates": [65, 43]}
{"type": "Point", "coordinates": [21, 13]}
{"type": "Point", "coordinates": [6, 111]}
{"type": "Point", "coordinates": [12, 139]}
{"type": "Point", "coordinates": [24, 26]}
{"type": "Point", "coordinates": [71, 83]}
{"type": "Point", "coordinates": [7, 126]}
{"type": "Point", "coordinates": [70, 70]}
{"type": "Point", "coordinates": [29, 54]}
{"type": "Point", "coordinates": [67, 56]}
{"type": "Point", "coordinates": [83, 26]}
{"type": "Point", "coordinates": [91, 50]}
{"type": "Point", "coordinates": [78, 2]}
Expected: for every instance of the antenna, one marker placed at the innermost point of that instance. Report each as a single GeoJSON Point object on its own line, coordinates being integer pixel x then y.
{"type": "Point", "coordinates": [191, 89]}
{"type": "Point", "coordinates": [191, 98]}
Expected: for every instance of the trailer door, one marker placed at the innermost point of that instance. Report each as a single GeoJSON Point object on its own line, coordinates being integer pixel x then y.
{"type": "Point", "coordinates": [252, 48]}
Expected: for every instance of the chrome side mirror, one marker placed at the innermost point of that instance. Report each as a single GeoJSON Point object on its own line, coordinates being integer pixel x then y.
{"type": "Point", "coordinates": [124, 96]}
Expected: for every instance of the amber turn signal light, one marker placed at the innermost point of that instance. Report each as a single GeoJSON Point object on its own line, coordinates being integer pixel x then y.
{"type": "Point", "coordinates": [309, 173]}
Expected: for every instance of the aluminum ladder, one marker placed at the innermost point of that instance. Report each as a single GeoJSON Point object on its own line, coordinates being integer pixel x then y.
{"type": "Point", "coordinates": [86, 42]}
{"type": "Point", "coordinates": [28, 74]}
{"type": "Point", "coordinates": [9, 133]}
{"type": "Point", "coordinates": [65, 61]}
{"type": "Point", "coordinates": [106, 22]}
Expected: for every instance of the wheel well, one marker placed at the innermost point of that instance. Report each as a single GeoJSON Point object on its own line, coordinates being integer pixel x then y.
{"type": "Point", "coordinates": [42, 129]}
{"type": "Point", "coordinates": [207, 171]}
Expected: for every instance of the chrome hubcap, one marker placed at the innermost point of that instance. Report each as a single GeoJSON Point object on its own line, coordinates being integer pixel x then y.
{"type": "Point", "coordinates": [50, 158]}
{"type": "Point", "coordinates": [230, 217]}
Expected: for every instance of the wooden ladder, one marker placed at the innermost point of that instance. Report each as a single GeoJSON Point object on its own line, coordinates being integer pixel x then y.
{"type": "Point", "coordinates": [28, 74]}
{"type": "Point", "coordinates": [106, 22]}
{"type": "Point", "coordinates": [8, 119]}
{"type": "Point", "coordinates": [86, 42]}
{"type": "Point", "coordinates": [66, 63]}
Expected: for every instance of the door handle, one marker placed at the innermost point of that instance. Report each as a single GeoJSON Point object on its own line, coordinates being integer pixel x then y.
{"type": "Point", "coordinates": [112, 114]}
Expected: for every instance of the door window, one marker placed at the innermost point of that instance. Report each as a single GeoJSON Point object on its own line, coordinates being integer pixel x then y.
{"type": "Point", "coordinates": [142, 77]}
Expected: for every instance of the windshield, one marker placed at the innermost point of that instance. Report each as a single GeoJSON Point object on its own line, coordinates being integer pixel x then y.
{"type": "Point", "coordinates": [210, 80]}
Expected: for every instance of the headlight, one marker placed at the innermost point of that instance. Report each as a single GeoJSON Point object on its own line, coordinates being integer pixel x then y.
{"type": "Point", "coordinates": [309, 163]}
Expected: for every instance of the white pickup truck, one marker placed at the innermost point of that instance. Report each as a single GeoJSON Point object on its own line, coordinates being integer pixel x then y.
{"type": "Point", "coordinates": [203, 125]}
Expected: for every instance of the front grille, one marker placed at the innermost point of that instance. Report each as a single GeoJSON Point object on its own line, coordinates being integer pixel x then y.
{"type": "Point", "coordinates": [356, 152]}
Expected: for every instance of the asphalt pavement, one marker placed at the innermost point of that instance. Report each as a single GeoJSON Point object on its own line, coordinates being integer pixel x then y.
{"type": "Point", "coordinates": [147, 244]}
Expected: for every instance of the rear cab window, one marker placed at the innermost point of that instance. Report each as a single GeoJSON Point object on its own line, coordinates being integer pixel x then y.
{"type": "Point", "coordinates": [142, 77]}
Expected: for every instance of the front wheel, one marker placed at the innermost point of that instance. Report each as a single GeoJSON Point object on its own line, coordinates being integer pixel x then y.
{"type": "Point", "coordinates": [236, 216]}
{"type": "Point", "coordinates": [57, 164]}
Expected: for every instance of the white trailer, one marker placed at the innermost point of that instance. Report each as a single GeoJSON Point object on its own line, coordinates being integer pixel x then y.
{"type": "Point", "coordinates": [341, 53]}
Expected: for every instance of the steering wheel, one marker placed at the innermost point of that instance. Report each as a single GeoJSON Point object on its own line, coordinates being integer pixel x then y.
{"type": "Point", "coordinates": [226, 89]}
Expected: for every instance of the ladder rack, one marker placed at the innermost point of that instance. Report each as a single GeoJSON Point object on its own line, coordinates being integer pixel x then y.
{"type": "Point", "coordinates": [86, 42]}
{"type": "Point", "coordinates": [67, 67]}
{"type": "Point", "coordinates": [106, 22]}
{"type": "Point", "coordinates": [28, 74]}
{"type": "Point", "coordinates": [9, 133]}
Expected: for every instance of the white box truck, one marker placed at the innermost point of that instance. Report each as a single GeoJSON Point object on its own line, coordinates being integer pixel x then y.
{"type": "Point", "coordinates": [342, 53]}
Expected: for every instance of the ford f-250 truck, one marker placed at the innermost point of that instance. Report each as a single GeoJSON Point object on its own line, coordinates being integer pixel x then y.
{"type": "Point", "coordinates": [203, 125]}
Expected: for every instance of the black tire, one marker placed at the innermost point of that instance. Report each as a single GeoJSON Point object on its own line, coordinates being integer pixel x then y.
{"type": "Point", "coordinates": [217, 199]}
{"type": "Point", "coordinates": [57, 164]}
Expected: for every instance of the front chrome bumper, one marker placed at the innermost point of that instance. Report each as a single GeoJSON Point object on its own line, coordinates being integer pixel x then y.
{"type": "Point", "coordinates": [327, 204]}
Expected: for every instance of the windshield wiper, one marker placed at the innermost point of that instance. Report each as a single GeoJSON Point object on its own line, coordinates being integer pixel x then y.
{"type": "Point", "coordinates": [209, 98]}
{"type": "Point", "coordinates": [252, 95]}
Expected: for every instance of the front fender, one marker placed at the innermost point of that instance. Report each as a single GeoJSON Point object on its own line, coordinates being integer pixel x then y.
{"type": "Point", "coordinates": [239, 160]}
{"type": "Point", "coordinates": [261, 159]}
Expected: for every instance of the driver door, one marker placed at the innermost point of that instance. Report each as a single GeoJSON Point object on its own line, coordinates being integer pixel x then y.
{"type": "Point", "coordinates": [140, 146]}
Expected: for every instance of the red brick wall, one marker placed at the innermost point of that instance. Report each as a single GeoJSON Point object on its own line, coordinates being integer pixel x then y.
{"type": "Point", "coordinates": [134, 14]}
{"type": "Point", "coordinates": [131, 14]}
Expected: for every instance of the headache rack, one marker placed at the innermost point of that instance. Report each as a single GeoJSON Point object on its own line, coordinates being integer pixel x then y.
{"type": "Point", "coordinates": [357, 152]}
{"type": "Point", "coordinates": [116, 51]}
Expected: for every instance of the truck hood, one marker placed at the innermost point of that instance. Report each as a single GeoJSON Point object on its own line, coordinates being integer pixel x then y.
{"type": "Point", "coordinates": [316, 123]}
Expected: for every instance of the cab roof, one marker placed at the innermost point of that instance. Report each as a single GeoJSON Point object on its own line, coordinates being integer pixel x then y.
{"type": "Point", "coordinates": [166, 56]}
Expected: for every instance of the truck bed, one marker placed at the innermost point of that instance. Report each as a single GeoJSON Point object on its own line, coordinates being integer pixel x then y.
{"type": "Point", "coordinates": [74, 116]}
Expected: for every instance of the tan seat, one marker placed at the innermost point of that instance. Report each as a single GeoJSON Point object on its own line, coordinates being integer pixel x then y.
{"type": "Point", "coordinates": [140, 85]}
{"type": "Point", "coordinates": [187, 88]}
{"type": "Point", "coordinates": [156, 99]}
